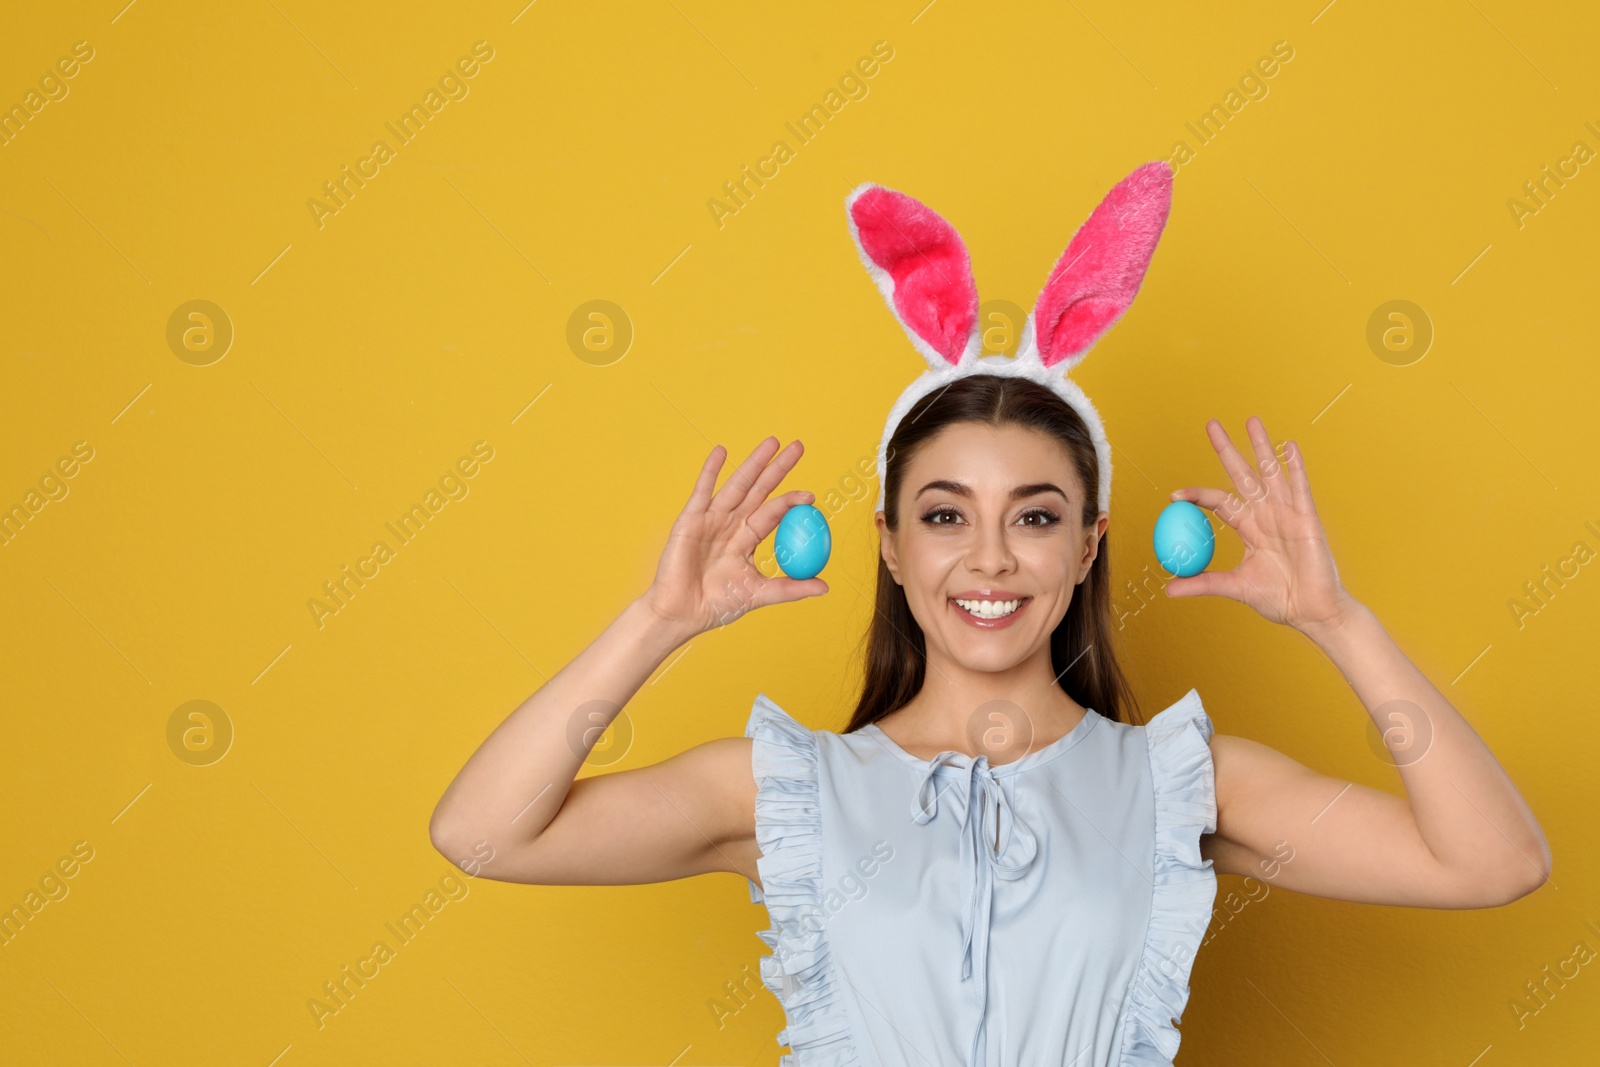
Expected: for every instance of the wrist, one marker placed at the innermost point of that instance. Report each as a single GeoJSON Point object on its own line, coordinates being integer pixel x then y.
{"type": "Point", "coordinates": [658, 629]}
{"type": "Point", "coordinates": [1342, 620]}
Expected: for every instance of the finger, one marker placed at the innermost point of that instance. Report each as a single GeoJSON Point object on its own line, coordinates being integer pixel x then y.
{"type": "Point", "coordinates": [1206, 583]}
{"type": "Point", "coordinates": [1267, 464]}
{"type": "Point", "coordinates": [1226, 506]}
{"type": "Point", "coordinates": [1264, 603]}
{"type": "Point", "coordinates": [701, 495]}
{"type": "Point", "coordinates": [1231, 584]}
{"type": "Point", "coordinates": [765, 519]}
{"type": "Point", "coordinates": [1243, 475]}
{"type": "Point", "coordinates": [1299, 484]}
{"type": "Point", "coordinates": [733, 491]}
{"type": "Point", "coordinates": [784, 590]}
{"type": "Point", "coordinates": [774, 473]}
{"type": "Point", "coordinates": [1202, 584]}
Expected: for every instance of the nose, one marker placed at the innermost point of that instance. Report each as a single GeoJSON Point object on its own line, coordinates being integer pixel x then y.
{"type": "Point", "coordinates": [991, 549]}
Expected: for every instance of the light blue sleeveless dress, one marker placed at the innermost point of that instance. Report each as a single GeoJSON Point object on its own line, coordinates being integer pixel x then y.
{"type": "Point", "coordinates": [901, 937]}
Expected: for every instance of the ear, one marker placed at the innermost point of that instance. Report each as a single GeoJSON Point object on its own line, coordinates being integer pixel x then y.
{"type": "Point", "coordinates": [1094, 542]}
{"type": "Point", "coordinates": [920, 264]}
{"type": "Point", "coordinates": [887, 548]}
{"type": "Point", "coordinates": [1099, 274]}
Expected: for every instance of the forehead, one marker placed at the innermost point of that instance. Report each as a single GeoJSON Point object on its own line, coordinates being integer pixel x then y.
{"type": "Point", "coordinates": [993, 458]}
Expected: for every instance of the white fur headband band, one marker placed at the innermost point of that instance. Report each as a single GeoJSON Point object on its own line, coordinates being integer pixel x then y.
{"type": "Point", "coordinates": [921, 266]}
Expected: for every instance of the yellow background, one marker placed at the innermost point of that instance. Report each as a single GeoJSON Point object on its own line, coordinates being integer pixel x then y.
{"type": "Point", "coordinates": [431, 310]}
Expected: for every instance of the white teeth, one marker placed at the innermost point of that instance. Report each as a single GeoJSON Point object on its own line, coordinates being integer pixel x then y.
{"type": "Point", "coordinates": [990, 609]}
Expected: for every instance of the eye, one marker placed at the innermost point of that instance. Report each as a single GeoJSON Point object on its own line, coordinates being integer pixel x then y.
{"type": "Point", "coordinates": [1045, 516]}
{"type": "Point", "coordinates": [932, 517]}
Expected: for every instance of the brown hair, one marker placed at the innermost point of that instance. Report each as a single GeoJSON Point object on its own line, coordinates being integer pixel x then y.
{"type": "Point", "coordinates": [1081, 647]}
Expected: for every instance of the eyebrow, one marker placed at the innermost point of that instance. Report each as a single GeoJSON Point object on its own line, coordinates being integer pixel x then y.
{"type": "Point", "coordinates": [1021, 491]}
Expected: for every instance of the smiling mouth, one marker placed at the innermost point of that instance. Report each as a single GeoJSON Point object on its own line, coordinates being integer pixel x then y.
{"type": "Point", "coordinates": [990, 610]}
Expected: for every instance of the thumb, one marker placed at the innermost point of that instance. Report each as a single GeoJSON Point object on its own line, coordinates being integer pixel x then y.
{"type": "Point", "coordinates": [1206, 583]}
{"type": "Point", "coordinates": [783, 590]}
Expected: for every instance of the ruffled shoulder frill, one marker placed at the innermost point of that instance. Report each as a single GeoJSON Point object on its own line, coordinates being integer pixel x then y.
{"type": "Point", "coordinates": [1178, 741]}
{"type": "Point", "coordinates": [788, 818]}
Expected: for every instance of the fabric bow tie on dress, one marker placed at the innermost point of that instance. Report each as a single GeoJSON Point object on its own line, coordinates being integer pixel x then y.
{"type": "Point", "coordinates": [980, 806]}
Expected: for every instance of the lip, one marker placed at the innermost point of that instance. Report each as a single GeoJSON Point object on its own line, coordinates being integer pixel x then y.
{"type": "Point", "coordinates": [989, 624]}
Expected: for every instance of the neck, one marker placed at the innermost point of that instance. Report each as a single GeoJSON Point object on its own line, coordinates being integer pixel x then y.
{"type": "Point", "coordinates": [1001, 713]}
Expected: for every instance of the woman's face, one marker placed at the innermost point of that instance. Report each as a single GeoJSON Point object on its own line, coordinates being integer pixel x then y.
{"type": "Point", "coordinates": [989, 517]}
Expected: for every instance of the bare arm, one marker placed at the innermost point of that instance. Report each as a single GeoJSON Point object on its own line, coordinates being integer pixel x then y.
{"type": "Point", "coordinates": [1461, 837]}
{"type": "Point", "coordinates": [517, 811]}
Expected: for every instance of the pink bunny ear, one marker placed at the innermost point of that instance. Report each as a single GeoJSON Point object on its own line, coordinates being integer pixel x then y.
{"type": "Point", "coordinates": [920, 264]}
{"type": "Point", "coordinates": [1099, 274]}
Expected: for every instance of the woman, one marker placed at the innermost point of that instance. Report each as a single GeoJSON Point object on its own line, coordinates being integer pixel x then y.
{"type": "Point", "coordinates": [994, 707]}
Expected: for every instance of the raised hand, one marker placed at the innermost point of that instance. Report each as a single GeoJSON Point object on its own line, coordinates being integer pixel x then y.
{"type": "Point", "coordinates": [707, 577]}
{"type": "Point", "coordinates": [1287, 573]}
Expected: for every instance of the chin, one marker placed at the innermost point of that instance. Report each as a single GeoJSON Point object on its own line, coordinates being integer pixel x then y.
{"type": "Point", "coordinates": [985, 653]}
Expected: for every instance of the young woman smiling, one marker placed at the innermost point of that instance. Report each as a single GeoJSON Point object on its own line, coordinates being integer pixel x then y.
{"type": "Point", "coordinates": [986, 509]}
{"type": "Point", "coordinates": [1037, 869]}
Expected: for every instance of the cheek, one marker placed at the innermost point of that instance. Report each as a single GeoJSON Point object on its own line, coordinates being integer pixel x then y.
{"type": "Point", "coordinates": [925, 576]}
{"type": "Point", "coordinates": [1047, 561]}
{"type": "Point", "coordinates": [927, 563]}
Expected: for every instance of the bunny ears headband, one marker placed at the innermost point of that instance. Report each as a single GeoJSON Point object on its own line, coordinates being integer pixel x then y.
{"type": "Point", "coordinates": [920, 264]}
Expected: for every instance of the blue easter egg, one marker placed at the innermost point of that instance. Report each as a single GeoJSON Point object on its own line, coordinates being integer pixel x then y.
{"type": "Point", "coordinates": [803, 542]}
{"type": "Point", "coordinates": [1184, 541]}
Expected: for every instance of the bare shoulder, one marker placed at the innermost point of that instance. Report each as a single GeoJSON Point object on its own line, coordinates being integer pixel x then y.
{"type": "Point", "coordinates": [1234, 761]}
{"type": "Point", "coordinates": [729, 761]}
{"type": "Point", "coordinates": [720, 774]}
{"type": "Point", "coordinates": [1253, 784]}
{"type": "Point", "coordinates": [692, 813]}
{"type": "Point", "coordinates": [1246, 769]}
